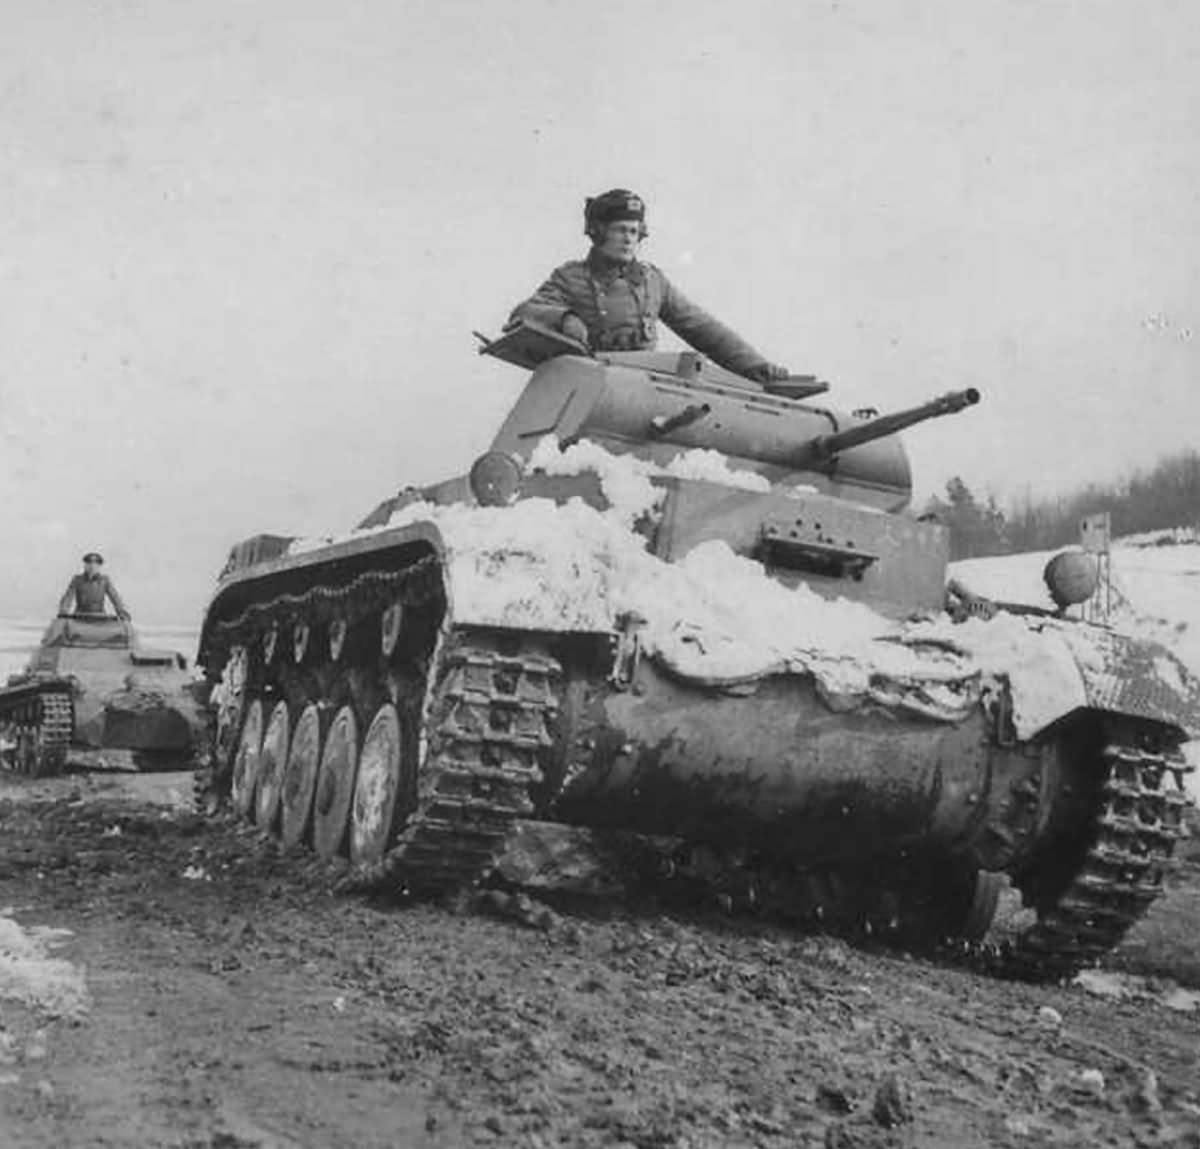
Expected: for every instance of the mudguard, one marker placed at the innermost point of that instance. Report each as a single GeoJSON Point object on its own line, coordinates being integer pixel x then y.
{"type": "Point", "coordinates": [1134, 677]}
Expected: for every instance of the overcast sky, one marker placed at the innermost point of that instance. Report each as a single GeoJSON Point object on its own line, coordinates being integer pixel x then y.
{"type": "Point", "coordinates": [243, 245]}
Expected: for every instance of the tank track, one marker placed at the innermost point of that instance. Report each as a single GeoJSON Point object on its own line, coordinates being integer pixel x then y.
{"type": "Point", "coordinates": [489, 717]}
{"type": "Point", "coordinates": [1121, 873]}
{"type": "Point", "coordinates": [45, 713]}
{"type": "Point", "coordinates": [494, 714]}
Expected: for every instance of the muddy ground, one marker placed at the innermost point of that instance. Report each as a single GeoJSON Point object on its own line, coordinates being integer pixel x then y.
{"type": "Point", "coordinates": [226, 998]}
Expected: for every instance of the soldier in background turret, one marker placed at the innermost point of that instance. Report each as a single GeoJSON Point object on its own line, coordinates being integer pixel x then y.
{"type": "Point", "coordinates": [86, 592]}
{"type": "Point", "coordinates": [610, 300]}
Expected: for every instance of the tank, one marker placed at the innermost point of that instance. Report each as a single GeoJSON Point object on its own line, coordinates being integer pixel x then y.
{"type": "Point", "coordinates": [91, 693]}
{"type": "Point", "coordinates": [678, 627]}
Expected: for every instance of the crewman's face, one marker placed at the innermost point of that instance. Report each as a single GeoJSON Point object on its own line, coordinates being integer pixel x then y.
{"type": "Point", "coordinates": [92, 567]}
{"type": "Point", "coordinates": [621, 239]}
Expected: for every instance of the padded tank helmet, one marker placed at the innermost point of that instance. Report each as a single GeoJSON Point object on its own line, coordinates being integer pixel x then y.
{"type": "Point", "coordinates": [610, 207]}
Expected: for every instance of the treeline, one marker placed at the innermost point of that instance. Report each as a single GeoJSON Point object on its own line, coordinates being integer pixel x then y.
{"type": "Point", "coordinates": [1168, 495]}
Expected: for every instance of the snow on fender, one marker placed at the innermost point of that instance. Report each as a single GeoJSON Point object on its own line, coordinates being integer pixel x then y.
{"type": "Point", "coordinates": [1133, 676]}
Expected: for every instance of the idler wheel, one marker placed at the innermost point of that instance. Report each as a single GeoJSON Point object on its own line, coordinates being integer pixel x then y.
{"type": "Point", "coordinates": [390, 626]}
{"type": "Point", "coordinates": [300, 776]}
{"type": "Point", "coordinates": [377, 788]}
{"type": "Point", "coordinates": [300, 637]}
{"type": "Point", "coordinates": [245, 762]}
{"type": "Point", "coordinates": [271, 760]}
{"type": "Point", "coordinates": [335, 784]}
{"type": "Point", "coordinates": [339, 629]}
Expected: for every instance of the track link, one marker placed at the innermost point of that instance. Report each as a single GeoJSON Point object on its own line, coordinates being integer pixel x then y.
{"type": "Point", "coordinates": [1121, 873]}
{"type": "Point", "coordinates": [42, 717]}
{"type": "Point", "coordinates": [493, 718]}
{"type": "Point", "coordinates": [54, 733]}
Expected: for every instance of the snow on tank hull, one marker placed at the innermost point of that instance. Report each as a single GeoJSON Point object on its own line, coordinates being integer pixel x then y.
{"type": "Point", "coordinates": [588, 653]}
{"type": "Point", "coordinates": [91, 694]}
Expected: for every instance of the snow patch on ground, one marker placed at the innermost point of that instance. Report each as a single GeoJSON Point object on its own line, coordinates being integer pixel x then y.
{"type": "Point", "coordinates": [31, 976]}
{"type": "Point", "coordinates": [1129, 987]}
{"type": "Point", "coordinates": [1165, 536]}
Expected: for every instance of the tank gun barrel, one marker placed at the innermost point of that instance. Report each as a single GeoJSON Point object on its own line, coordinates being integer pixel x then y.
{"type": "Point", "coordinates": [823, 448]}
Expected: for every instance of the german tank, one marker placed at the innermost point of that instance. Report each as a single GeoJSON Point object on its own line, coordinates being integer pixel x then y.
{"type": "Point", "coordinates": [676, 623]}
{"type": "Point", "coordinates": [93, 694]}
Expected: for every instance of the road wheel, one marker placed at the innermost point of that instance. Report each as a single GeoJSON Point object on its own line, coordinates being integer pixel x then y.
{"type": "Point", "coordinates": [300, 776]}
{"type": "Point", "coordinates": [271, 760]}
{"type": "Point", "coordinates": [245, 763]}
{"type": "Point", "coordinates": [377, 789]}
{"type": "Point", "coordinates": [335, 784]}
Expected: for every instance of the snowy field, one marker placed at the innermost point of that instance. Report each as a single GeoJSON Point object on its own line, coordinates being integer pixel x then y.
{"type": "Point", "coordinates": [1155, 586]}
{"type": "Point", "coordinates": [1155, 593]}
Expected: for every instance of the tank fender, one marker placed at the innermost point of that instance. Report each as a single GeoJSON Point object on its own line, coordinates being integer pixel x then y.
{"type": "Point", "coordinates": [1133, 676]}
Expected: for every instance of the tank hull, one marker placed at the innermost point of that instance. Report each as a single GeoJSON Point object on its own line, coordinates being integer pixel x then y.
{"type": "Point", "coordinates": [501, 734]}
{"type": "Point", "coordinates": [118, 704]}
{"type": "Point", "coordinates": [778, 767]}
{"type": "Point", "coordinates": [428, 695]}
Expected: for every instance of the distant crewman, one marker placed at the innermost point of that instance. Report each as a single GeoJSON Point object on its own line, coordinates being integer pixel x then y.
{"type": "Point", "coordinates": [88, 590]}
{"type": "Point", "coordinates": [610, 300]}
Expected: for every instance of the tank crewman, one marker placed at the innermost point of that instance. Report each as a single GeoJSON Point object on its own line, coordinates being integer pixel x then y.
{"type": "Point", "coordinates": [89, 589]}
{"type": "Point", "coordinates": [610, 300]}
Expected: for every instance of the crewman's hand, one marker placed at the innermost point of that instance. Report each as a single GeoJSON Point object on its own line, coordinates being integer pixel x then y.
{"type": "Point", "coordinates": [123, 615]}
{"type": "Point", "coordinates": [768, 372]}
{"type": "Point", "coordinates": [574, 328]}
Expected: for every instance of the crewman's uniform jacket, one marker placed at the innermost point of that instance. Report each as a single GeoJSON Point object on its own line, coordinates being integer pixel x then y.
{"type": "Point", "coordinates": [88, 593]}
{"type": "Point", "coordinates": [620, 303]}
